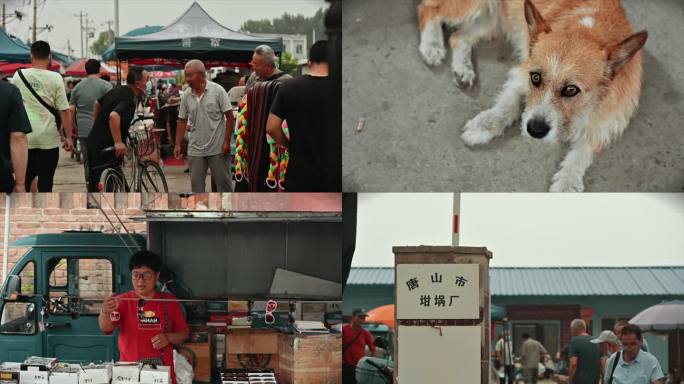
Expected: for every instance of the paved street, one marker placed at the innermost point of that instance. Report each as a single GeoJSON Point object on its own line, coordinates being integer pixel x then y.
{"type": "Point", "coordinates": [70, 177]}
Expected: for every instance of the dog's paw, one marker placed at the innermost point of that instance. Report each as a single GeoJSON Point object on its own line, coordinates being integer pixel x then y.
{"type": "Point", "coordinates": [433, 53]}
{"type": "Point", "coordinates": [481, 129]}
{"type": "Point", "coordinates": [565, 182]}
{"type": "Point", "coordinates": [464, 75]}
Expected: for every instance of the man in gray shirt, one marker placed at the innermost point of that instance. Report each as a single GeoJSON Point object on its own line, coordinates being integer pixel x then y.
{"type": "Point", "coordinates": [205, 113]}
{"type": "Point", "coordinates": [83, 100]}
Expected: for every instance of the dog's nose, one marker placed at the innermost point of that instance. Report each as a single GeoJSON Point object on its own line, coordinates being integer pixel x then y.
{"type": "Point", "coordinates": [537, 128]}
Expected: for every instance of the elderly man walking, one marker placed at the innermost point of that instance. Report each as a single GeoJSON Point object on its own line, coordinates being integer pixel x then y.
{"type": "Point", "coordinates": [585, 357]}
{"type": "Point", "coordinates": [205, 113]}
{"type": "Point", "coordinates": [264, 67]}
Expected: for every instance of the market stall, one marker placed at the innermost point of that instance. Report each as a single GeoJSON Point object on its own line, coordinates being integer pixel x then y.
{"type": "Point", "coordinates": [194, 35]}
{"type": "Point", "coordinates": [77, 69]}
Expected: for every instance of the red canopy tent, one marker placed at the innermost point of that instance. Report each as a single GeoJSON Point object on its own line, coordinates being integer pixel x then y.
{"type": "Point", "coordinates": [8, 69]}
{"type": "Point", "coordinates": [77, 69]}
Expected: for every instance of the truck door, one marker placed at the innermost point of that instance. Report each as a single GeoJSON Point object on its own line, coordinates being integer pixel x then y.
{"type": "Point", "coordinates": [77, 284]}
{"type": "Point", "coordinates": [19, 333]}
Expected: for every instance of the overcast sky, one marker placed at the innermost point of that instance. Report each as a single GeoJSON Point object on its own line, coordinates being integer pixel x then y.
{"type": "Point", "coordinates": [61, 14]}
{"type": "Point", "coordinates": [528, 229]}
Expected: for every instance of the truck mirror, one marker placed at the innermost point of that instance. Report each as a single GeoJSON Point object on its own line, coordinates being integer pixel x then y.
{"type": "Point", "coordinates": [13, 287]}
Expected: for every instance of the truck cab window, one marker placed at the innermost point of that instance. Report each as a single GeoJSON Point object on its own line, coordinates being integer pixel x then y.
{"type": "Point", "coordinates": [28, 279]}
{"type": "Point", "coordinates": [80, 284]}
{"type": "Point", "coordinates": [20, 317]}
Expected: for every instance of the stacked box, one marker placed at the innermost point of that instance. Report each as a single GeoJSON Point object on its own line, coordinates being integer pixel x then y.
{"type": "Point", "coordinates": [126, 373]}
{"type": "Point", "coordinates": [310, 359]}
{"type": "Point", "coordinates": [95, 374]}
{"type": "Point", "coordinates": [65, 375]}
{"type": "Point", "coordinates": [155, 375]}
{"type": "Point", "coordinates": [32, 375]}
{"type": "Point", "coordinates": [36, 370]}
{"type": "Point", "coordinates": [252, 349]}
{"type": "Point", "coordinates": [9, 373]}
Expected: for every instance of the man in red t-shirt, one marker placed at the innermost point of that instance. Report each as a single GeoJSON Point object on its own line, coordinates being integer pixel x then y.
{"type": "Point", "coordinates": [148, 329]}
{"type": "Point", "coordinates": [355, 338]}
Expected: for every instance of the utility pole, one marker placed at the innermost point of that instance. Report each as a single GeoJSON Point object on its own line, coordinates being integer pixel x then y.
{"type": "Point", "coordinates": [86, 39]}
{"type": "Point", "coordinates": [3, 17]}
{"type": "Point", "coordinates": [110, 38]}
{"type": "Point", "coordinates": [80, 16]}
{"type": "Point", "coordinates": [116, 18]}
{"type": "Point", "coordinates": [35, 20]}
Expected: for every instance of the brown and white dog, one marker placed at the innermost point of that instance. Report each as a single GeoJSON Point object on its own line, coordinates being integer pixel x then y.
{"type": "Point", "coordinates": [579, 76]}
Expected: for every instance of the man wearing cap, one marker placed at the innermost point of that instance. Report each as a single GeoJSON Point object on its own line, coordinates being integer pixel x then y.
{"type": "Point", "coordinates": [355, 338]}
{"type": "Point", "coordinates": [632, 365]}
{"type": "Point", "coordinates": [585, 357]}
{"type": "Point", "coordinates": [608, 344]}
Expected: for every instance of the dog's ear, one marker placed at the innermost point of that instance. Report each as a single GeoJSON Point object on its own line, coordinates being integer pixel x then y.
{"type": "Point", "coordinates": [535, 22]}
{"type": "Point", "coordinates": [619, 54]}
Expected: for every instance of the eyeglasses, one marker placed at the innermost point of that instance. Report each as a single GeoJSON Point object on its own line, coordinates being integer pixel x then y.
{"type": "Point", "coordinates": [144, 275]}
{"type": "Point", "coordinates": [271, 306]}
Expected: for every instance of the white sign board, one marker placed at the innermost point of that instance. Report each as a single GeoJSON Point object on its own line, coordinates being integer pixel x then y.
{"type": "Point", "coordinates": [439, 354]}
{"type": "Point", "coordinates": [438, 291]}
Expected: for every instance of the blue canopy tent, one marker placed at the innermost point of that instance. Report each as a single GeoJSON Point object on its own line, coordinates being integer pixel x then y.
{"type": "Point", "coordinates": [13, 50]}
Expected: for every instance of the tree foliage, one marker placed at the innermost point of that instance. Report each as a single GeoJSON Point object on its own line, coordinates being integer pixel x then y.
{"type": "Point", "coordinates": [102, 43]}
{"type": "Point", "coordinates": [291, 25]}
{"type": "Point", "coordinates": [289, 64]}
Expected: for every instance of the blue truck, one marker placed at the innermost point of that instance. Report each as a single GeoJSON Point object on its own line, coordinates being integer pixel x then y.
{"type": "Point", "coordinates": [51, 299]}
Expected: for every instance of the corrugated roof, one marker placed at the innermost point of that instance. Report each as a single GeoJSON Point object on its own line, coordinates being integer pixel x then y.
{"type": "Point", "coordinates": [560, 281]}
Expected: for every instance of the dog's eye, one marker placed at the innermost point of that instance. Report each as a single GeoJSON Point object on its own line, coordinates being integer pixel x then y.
{"type": "Point", "coordinates": [535, 77]}
{"type": "Point", "coordinates": [570, 91]}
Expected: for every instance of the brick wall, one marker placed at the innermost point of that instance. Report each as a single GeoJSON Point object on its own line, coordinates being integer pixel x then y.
{"type": "Point", "coordinates": [32, 214]}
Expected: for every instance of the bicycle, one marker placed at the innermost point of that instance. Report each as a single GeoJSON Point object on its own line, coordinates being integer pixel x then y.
{"type": "Point", "coordinates": [147, 175]}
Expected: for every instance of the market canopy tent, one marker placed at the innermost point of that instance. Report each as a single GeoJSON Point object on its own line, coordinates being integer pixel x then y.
{"type": "Point", "coordinates": [110, 53]}
{"type": "Point", "coordinates": [13, 50]}
{"type": "Point", "coordinates": [77, 68]}
{"type": "Point", "coordinates": [194, 35]}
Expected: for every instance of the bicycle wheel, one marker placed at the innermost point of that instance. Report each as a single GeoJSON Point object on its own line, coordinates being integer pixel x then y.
{"type": "Point", "coordinates": [112, 181]}
{"type": "Point", "coordinates": [152, 178]}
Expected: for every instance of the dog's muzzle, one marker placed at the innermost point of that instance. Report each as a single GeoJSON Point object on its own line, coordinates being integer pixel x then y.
{"type": "Point", "coordinates": [537, 128]}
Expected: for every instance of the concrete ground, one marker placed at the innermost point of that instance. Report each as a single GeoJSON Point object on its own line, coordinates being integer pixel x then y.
{"type": "Point", "coordinates": [69, 176]}
{"type": "Point", "coordinates": [413, 114]}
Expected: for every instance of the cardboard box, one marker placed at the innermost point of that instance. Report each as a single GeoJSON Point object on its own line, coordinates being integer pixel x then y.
{"type": "Point", "coordinates": [260, 306]}
{"type": "Point", "coordinates": [251, 341]}
{"type": "Point", "coordinates": [237, 306]}
{"type": "Point", "coordinates": [313, 312]}
{"type": "Point", "coordinates": [125, 373]}
{"type": "Point", "coordinates": [155, 375]}
{"type": "Point", "coordinates": [9, 373]}
{"type": "Point", "coordinates": [253, 361]}
{"type": "Point", "coordinates": [64, 375]}
{"type": "Point", "coordinates": [33, 375]}
{"type": "Point", "coordinates": [310, 359]}
{"type": "Point", "coordinates": [95, 374]}
{"type": "Point", "coordinates": [198, 352]}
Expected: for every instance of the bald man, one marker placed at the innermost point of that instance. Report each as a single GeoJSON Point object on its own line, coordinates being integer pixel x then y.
{"type": "Point", "coordinates": [205, 113]}
{"type": "Point", "coordinates": [585, 356]}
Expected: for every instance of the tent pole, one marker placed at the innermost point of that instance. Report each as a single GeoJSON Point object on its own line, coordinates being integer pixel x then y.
{"type": "Point", "coordinates": [5, 244]}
